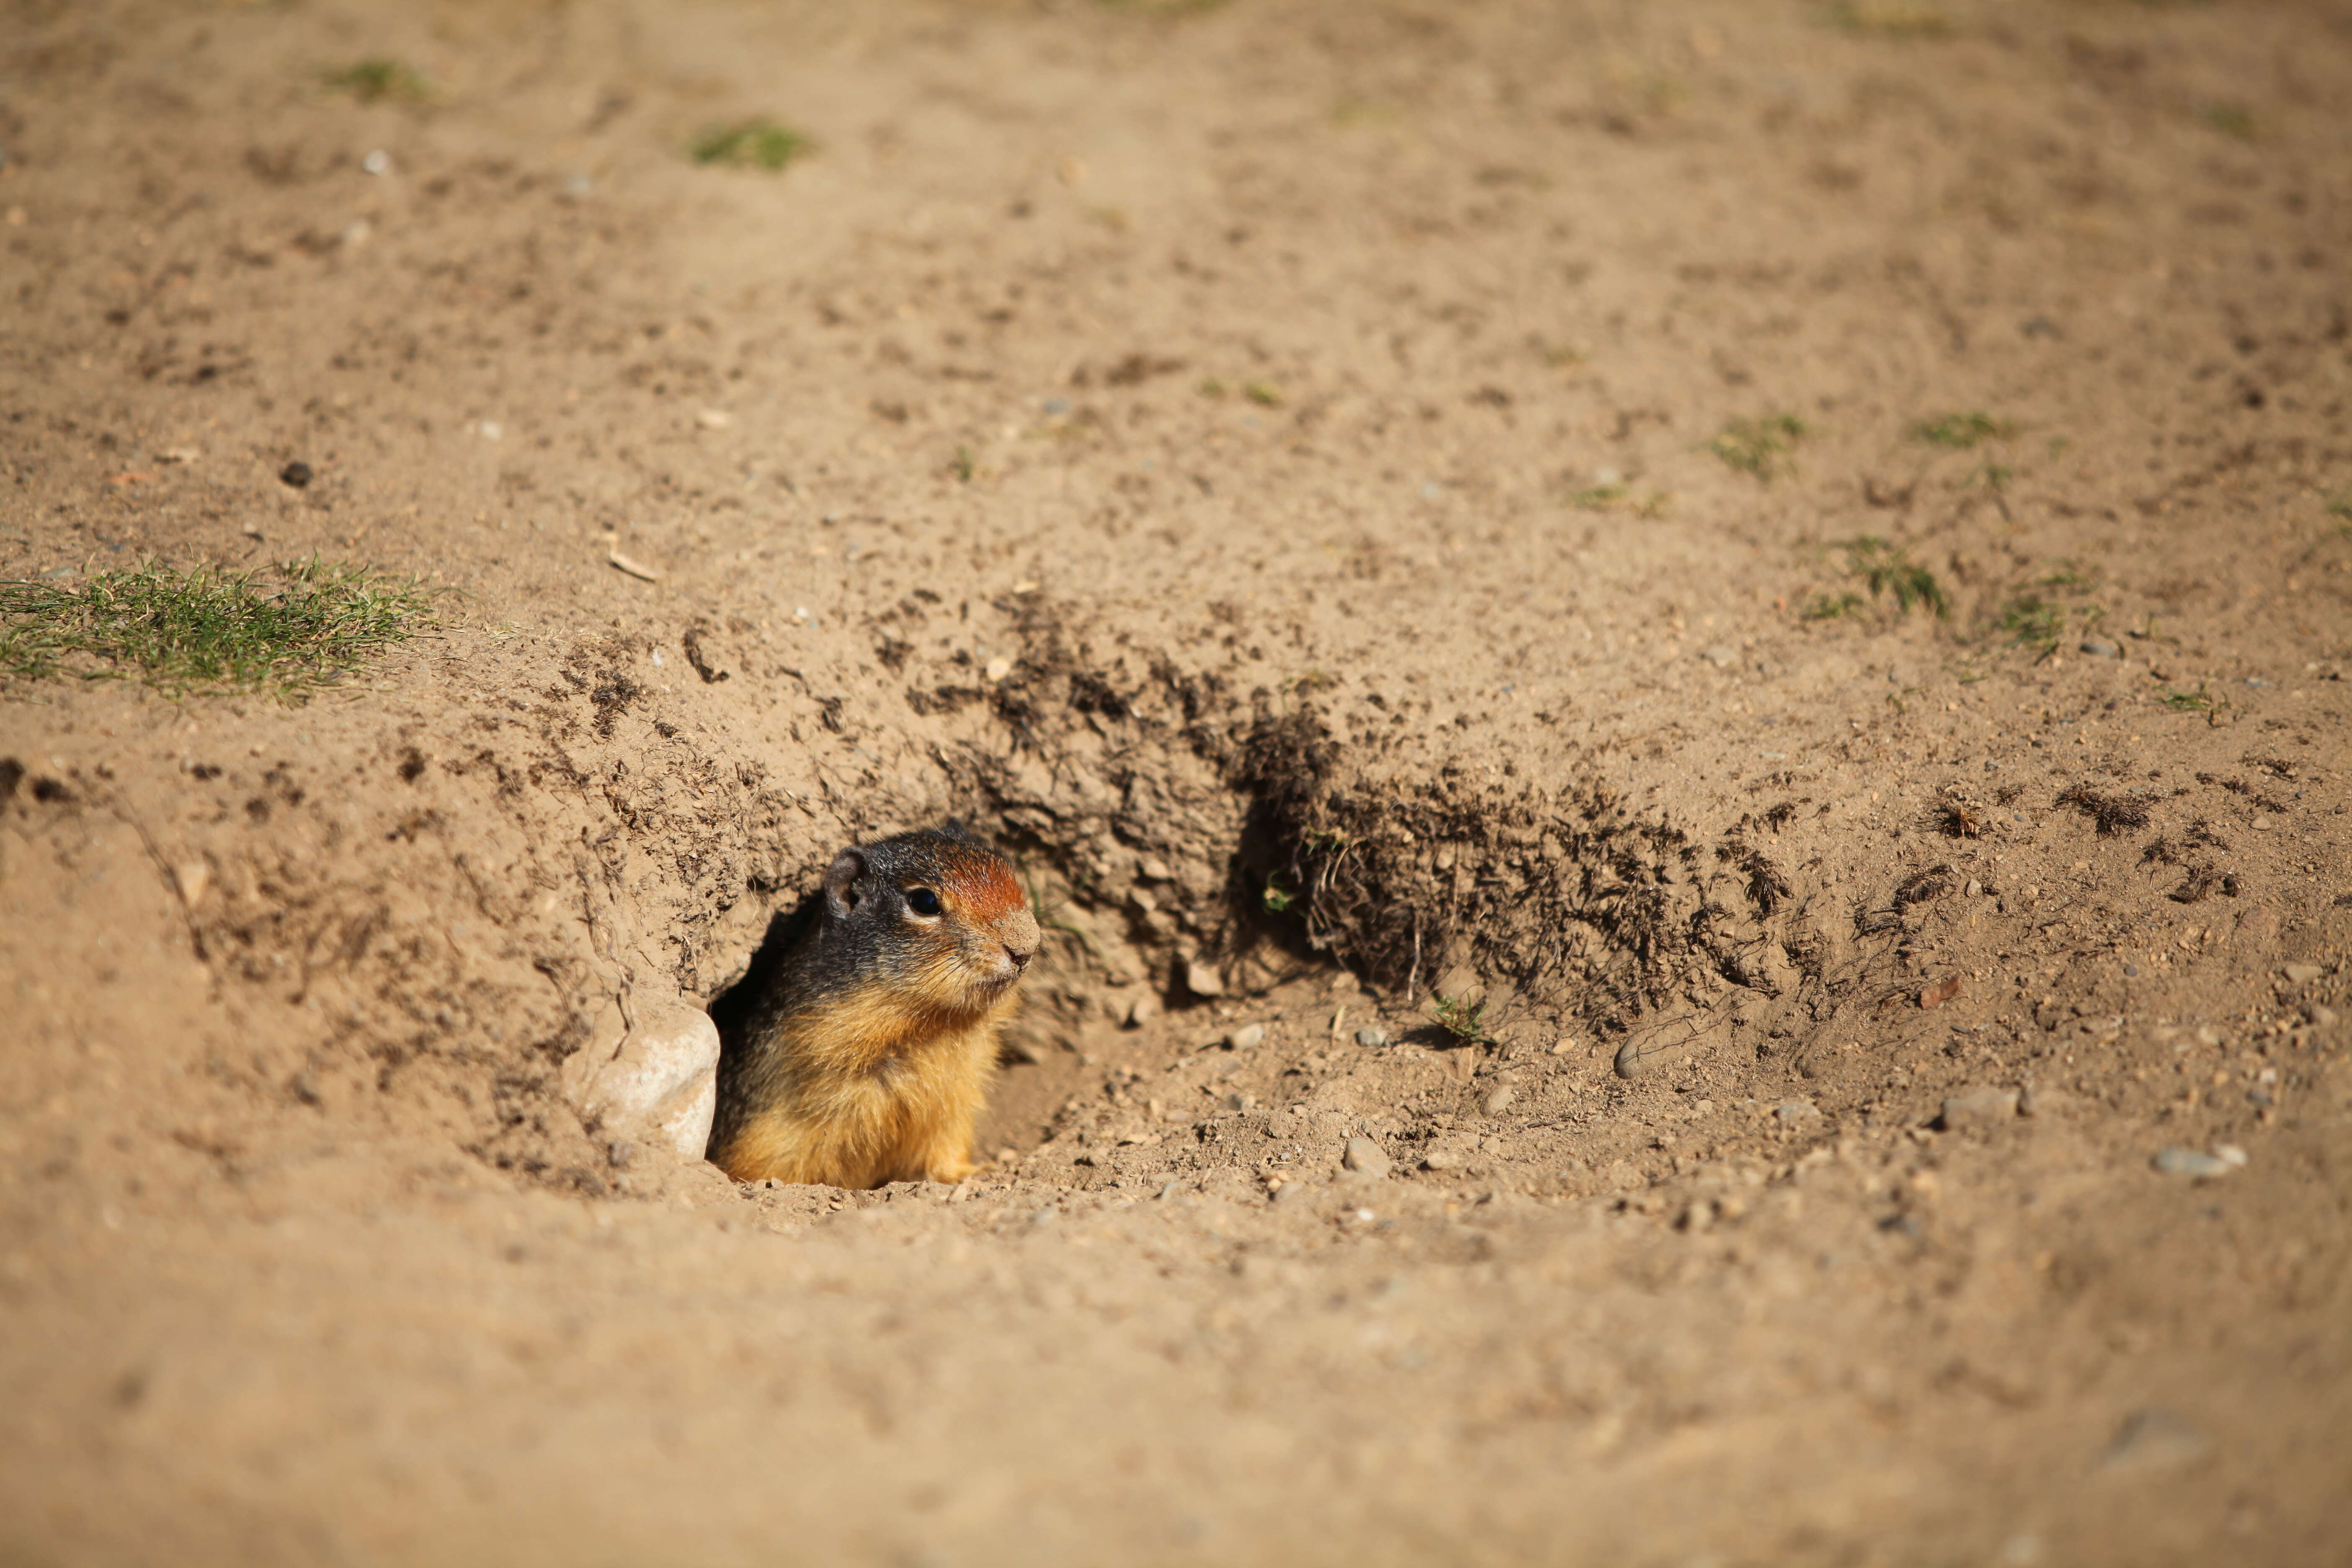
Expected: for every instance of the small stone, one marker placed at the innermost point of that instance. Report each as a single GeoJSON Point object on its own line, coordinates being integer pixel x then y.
{"type": "Point", "coordinates": [193, 877]}
{"type": "Point", "coordinates": [2191, 1163]}
{"type": "Point", "coordinates": [1247, 1037]}
{"type": "Point", "coordinates": [1499, 1102]}
{"type": "Point", "coordinates": [1980, 1108]}
{"type": "Point", "coordinates": [2323, 1017]}
{"type": "Point", "coordinates": [2155, 1437]}
{"type": "Point", "coordinates": [1940, 992]}
{"type": "Point", "coordinates": [1236, 1101]}
{"type": "Point", "coordinates": [657, 1082]}
{"type": "Point", "coordinates": [1141, 1011]}
{"type": "Point", "coordinates": [1289, 1192]}
{"type": "Point", "coordinates": [1153, 869]}
{"type": "Point", "coordinates": [2229, 1154]}
{"type": "Point", "coordinates": [1641, 1053]}
{"type": "Point", "coordinates": [1441, 1160]}
{"type": "Point", "coordinates": [1363, 1154]}
{"type": "Point", "coordinates": [2301, 973]}
{"type": "Point", "coordinates": [996, 669]}
{"type": "Point", "coordinates": [1719, 655]}
{"type": "Point", "coordinates": [1202, 979]}
{"type": "Point", "coordinates": [1792, 1111]}
{"type": "Point", "coordinates": [2100, 648]}
{"type": "Point", "coordinates": [295, 474]}
{"type": "Point", "coordinates": [714, 419]}
{"type": "Point", "coordinates": [1372, 1036]}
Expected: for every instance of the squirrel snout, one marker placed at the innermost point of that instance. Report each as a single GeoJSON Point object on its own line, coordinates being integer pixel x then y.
{"type": "Point", "coordinates": [1020, 936]}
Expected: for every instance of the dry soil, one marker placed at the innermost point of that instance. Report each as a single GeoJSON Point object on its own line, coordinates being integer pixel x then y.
{"type": "Point", "coordinates": [1383, 508]}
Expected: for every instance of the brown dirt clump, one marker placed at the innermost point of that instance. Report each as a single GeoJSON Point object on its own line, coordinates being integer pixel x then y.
{"type": "Point", "coordinates": [1670, 679]}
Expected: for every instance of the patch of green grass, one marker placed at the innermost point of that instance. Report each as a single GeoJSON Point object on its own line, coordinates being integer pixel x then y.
{"type": "Point", "coordinates": [1460, 1019]}
{"type": "Point", "coordinates": [1599, 498]}
{"type": "Point", "coordinates": [1264, 394]}
{"type": "Point", "coordinates": [378, 78]}
{"type": "Point", "coordinates": [2033, 620]}
{"type": "Point", "coordinates": [2069, 578]}
{"type": "Point", "coordinates": [758, 142]}
{"type": "Point", "coordinates": [1963, 431]}
{"type": "Point", "coordinates": [2340, 504]}
{"type": "Point", "coordinates": [1832, 608]}
{"type": "Point", "coordinates": [1760, 447]}
{"type": "Point", "coordinates": [1277, 897]}
{"type": "Point", "coordinates": [2230, 120]}
{"type": "Point", "coordinates": [1892, 18]}
{"type": "Point", "coordinates": [1889, 570]}
{"type": "Point", "coordinates": [965, 465]}
{"type": "Point", "coordinates": [306, 625]}
{"type": "Point", "coordinates": [1992, 475]}
{"type": "Point", "coordinates": [2195, 701]}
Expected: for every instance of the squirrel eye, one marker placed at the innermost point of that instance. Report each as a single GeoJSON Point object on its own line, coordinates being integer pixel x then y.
{"type": "Point", "coordinates": [922, 900]}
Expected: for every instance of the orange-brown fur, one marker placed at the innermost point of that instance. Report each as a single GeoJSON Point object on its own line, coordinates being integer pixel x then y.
{"type": "Point", "coordinates": [872, 1052]}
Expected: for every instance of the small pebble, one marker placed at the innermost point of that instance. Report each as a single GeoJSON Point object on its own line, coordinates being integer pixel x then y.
{"type": "Point", "coordinates": [2100, 648]}
{"type": "Point", "coordinates": [1719, 655]}
{"type": "Point", "coordinates": [1202, 979]}
{"type": "Point", "coordinates": [1153, 869]}
{"type": "Point", "coordinates": [2191, 1163]}
{"type": "Point", "coordinates": [2152, 1437]}
{"type": "Point", "coordinates": [1372, 1036]}
{"type": "Point", "coordinates": [2303, 973]}
{"type": "Point", "coordinates": [2229, 1154]}
{"type": "Point", "coordinates": [1500, 1101]}
{"type": "Point", "coordinates": [1247, 1038]}
{"type": "Point", "coordinates": [1980, 1108]}
{"type": "Point", "coordinates": [1441, 1160]}
{"type": "Point", "coordinates": [377, 162]}
{"type": "Point", "coordinates": [295, 474]}
{"type": "Point", "coordinates": [1141, 1011]}
{"type": "Point", "coordinates": [1363, 1154]}
{"type": "Point", "coordinates": [1792, 1111]}
{"type": "Point", "coordinates": [2323, 1017]}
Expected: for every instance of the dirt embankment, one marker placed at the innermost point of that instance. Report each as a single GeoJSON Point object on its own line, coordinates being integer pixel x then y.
{"type": "Point", "coordinates": [1672, 683]}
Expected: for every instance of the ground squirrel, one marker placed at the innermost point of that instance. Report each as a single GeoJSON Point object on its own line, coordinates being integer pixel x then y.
{"type": "Point", "coordinates": [869, 1051]}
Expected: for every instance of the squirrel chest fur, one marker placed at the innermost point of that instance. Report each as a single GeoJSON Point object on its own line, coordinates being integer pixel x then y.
{"type": "Point", "coordinates": [867, 1057]}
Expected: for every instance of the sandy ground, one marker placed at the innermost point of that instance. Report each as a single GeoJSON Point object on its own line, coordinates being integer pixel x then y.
{"type": "Point", "coordinates": [1260, 464]}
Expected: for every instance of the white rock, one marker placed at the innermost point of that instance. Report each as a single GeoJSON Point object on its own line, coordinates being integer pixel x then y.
{"type": "Point", "coordinates": [657, 1083]}
{"type": "Point", "coordinates": [1202, 979]}
{"type": "Point", "coordinates": [1247, 1038]}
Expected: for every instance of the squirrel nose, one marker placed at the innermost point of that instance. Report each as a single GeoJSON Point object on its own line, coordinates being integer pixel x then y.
{"type": "Point", "coordinates": [1020, 959]}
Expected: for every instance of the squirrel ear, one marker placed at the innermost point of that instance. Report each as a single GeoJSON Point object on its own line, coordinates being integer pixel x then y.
{"type": "Point", "coordinates": [841, 882]}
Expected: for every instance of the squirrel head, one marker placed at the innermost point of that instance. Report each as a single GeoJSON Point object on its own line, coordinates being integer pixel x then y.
{"type": "Point", "coordinates": [938, 913]}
